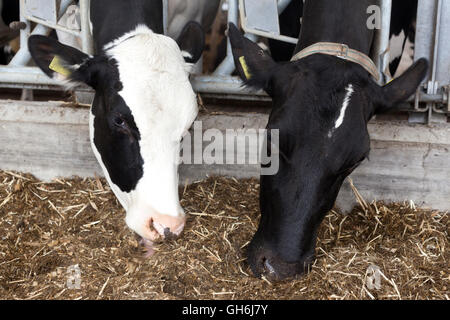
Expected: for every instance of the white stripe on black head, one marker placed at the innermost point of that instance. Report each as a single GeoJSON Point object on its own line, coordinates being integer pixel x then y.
{"type": "Point", "coordinates": [349, 91]}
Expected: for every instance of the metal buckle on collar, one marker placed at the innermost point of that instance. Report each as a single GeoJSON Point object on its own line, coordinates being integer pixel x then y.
{"type": "Point", "coordinates": [343, 51]}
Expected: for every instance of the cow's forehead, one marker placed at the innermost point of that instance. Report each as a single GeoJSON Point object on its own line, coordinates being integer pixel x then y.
{"type": "Point", "coordinates": [155, 83]}
{"type": "Point", "coordinates": [148, 50]}
{"type": "Point", "coordinates": [322, 119]}
{"type": "Point", "coordinates": [308, 105]}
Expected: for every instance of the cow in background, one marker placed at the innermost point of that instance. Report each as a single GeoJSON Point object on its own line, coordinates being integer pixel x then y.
{"type": "Point", "coordinates": [9, 42]}
{"type": "Point", "coordinates": [290, 25]}
{"type": "Point", "coordinates": [403, 33]}
{"type": "Point", "coordinates": [180, 12]}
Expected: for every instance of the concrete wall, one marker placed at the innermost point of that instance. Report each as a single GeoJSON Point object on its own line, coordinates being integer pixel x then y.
{"type": "Point", "coordinates": [407, 162]}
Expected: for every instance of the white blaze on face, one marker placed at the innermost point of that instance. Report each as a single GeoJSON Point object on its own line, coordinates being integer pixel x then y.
{"type": "Point", "coordinates": [157, 90]}
{"type": "Point", "coordinates": [349, 91]}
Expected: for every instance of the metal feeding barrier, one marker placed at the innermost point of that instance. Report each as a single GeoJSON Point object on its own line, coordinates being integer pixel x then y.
{"type": "Point", "coordinates": [45, 14]}
{"type": "Point", "coordinates": [433, 42]}
{"type": "Point", "coordinates": [259, 18]}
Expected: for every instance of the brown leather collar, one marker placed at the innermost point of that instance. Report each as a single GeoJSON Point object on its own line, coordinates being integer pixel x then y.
{"type": "Point", "coordinates": [341, 51]}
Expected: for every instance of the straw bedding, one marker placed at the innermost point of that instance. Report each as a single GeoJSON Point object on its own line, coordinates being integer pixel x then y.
{"type": "Point", "coordinates": [48, 228]}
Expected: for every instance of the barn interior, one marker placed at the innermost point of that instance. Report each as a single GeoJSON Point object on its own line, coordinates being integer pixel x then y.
{"type": "Point", "coordinates": [63, 234]}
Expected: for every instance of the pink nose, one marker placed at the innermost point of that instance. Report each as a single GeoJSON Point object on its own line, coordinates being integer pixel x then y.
{"type": "Point", "coordinates": [166, 227]}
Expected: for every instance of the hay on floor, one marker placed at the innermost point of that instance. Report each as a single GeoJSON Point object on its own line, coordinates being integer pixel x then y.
{"type": "Point", "coordinates": [48, 230]}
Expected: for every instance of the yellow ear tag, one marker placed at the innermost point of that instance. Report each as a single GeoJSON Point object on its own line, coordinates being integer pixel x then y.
{"type": "Point", "coordinates": [244, 66]}
{"type": "Point", "coordinates": [57, 66]}
{"type": "Point", "coordinates": [389, 81]}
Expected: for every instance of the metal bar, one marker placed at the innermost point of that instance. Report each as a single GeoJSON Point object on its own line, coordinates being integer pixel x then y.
{"type": "Point", "coordinates": [271, 36]}
{"type": "Point", "coordinates": [383, 39]}
{"type": "Point", "coordinates": [219, 85]}
{"type": "Point", "coordinates": [29, 77]}
{"type": "Point", "coordinates": [222, 85]}
{"type": "Point", "coordinates": [20, 57]}
{"type": "Point", "coordinates": [26, 31]}
{"type": "Point", "coordinates": [432, 87]}
{"type": "Point", "coordinates": [23, 56]}
{"type": "Point", "coordinates": [282, 5]}
{"type": "Point", "coordinates": [436, 45]}
{"type": "Point", "coordinates": [423, 43]}
{"type": "Point", "coordinates": [87, 42]}
{"type": "Point", "coordinates": [29, 86]}
{"type": "Point", "coordinates": [52, 25]}
{"type": "Point", "coordinates": [261, 33]}
{"type": "Point", "coordinates": [425, 97]}
{"type": "Point", "coordinates": [227, 65]}
{"type": "Point", "coordinates": [236, 97]}
{"type": "Point", "coordinates": [34, 78]}
{"type": "Point", "coordinates": [25, 75]}
{"type": "Point", "coordinates": [443, 47]}
{"type": "Point", "coordinates": [234, 86]}
{"type": "Point", "coordinates": [201, 84]}
{"type": "Point", "coordinates": [165, 16]}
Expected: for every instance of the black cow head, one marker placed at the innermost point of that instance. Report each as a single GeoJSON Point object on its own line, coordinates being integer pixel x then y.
{"type": "Point", "coordinates": [321, 107]}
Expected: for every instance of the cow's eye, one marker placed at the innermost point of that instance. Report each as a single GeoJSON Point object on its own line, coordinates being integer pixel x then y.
{"type": "Point", "coordinates": [118, 86]}
{"type": "Point", "coordinates": [120, 122]}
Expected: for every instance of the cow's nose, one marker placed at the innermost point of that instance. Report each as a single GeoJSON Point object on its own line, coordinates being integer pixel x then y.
{"type": "Point", "coordinates": [266, 267]}
{"type": "Point", "coordinates": [264, 261]}
{"type": "Point", "coordinates": [156, 226]}
{"type": "Point", "coordinates": [275, 269]}
{"type": "Point", "coordinates": [168, 227]}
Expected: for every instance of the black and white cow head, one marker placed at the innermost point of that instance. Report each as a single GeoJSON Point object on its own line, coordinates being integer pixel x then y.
{"type": "Point", "coordinates": [144, 104]}
{"type": "Point", "coordinates": [321, 107]}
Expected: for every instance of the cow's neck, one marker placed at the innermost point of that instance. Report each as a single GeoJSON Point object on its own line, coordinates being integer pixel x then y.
{"type": "Point", "coordinates": [343, 21]}
{"type": "Point", "coordinates": [112, 19]}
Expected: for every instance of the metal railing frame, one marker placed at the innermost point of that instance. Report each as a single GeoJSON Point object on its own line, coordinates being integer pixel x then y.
{"type": "Point", "coordinates": [221, 83]}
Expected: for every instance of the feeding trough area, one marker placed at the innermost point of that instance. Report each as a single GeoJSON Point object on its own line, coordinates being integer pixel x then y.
{"type": "Point", "coordinates": [65, 230]}
{"type": "Point", "coordinates": [54, 229]}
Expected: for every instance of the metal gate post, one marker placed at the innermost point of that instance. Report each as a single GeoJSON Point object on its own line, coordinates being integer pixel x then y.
{"type": "Point", "coordinates": [17, 74]}
{"type": "Point", "coordinates": [165, 16]}
{"type": "Point", "coordinates": [433, 42]}
{"type": "Point", "coordinates": [282, 4]}
{"type": "Point", "coordinates": [23, 56]}
{"type": "Point", "coordinates": [227, 65]}
{"type": "Point", "coordinates": [255, 26]}
{"type": "Point", "coordinates": [381, 50]}
{"type": "Point", "coordinates": [86, 35]}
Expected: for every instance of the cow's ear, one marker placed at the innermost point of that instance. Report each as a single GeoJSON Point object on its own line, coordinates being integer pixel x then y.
{"type": "Point", "coordinates": [58, 61]}
{"type": "Point", "coordinates": [192, 42]}
{"type": "Point", "coordinates": [253, 65]}
{"type": "Point", "coordinates": [401, 88]}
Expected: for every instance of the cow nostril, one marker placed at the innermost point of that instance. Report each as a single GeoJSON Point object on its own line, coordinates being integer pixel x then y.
{"type": "Point", "coordinates": [153, 233]}
{"type": "Point", "coordinates": [151, 226]}
{"type": "Point", "coordinates": [268, 267]}
{"type": "Point", "coordinates": [168, 235]}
